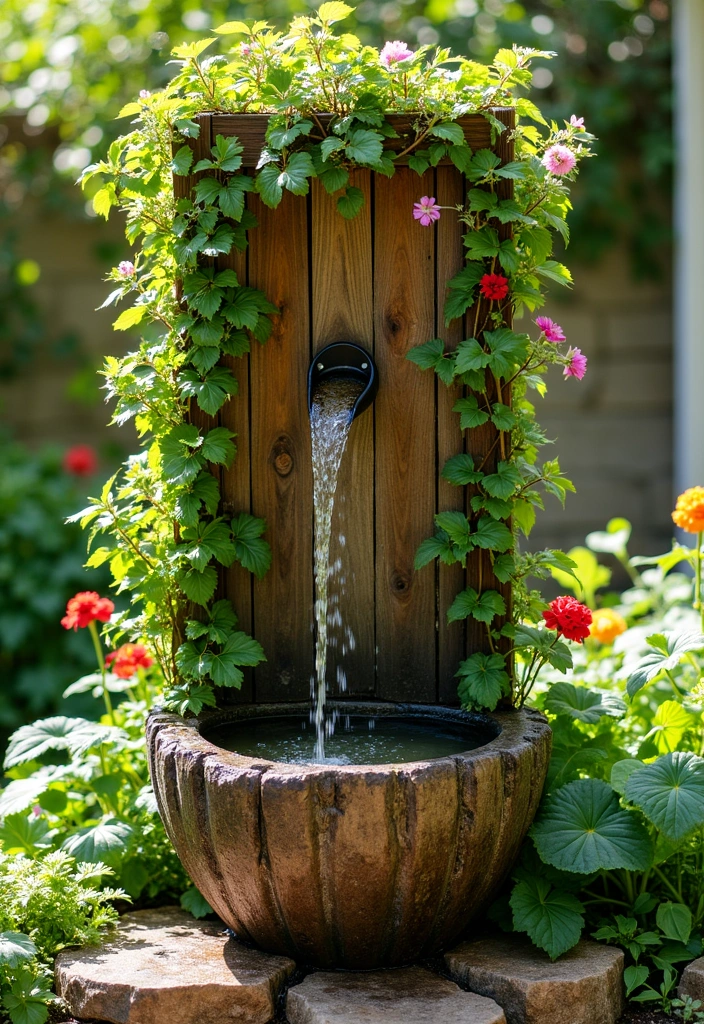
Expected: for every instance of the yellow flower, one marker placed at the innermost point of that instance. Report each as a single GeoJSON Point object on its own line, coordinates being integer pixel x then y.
{"type": "Point", "coordinates": [607, 625]}
{"type": "Point", "coordinates": [689, 511]}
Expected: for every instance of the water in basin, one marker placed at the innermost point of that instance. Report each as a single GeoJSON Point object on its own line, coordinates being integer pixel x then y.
{"type": "Point", "coordinates": [356, 739]}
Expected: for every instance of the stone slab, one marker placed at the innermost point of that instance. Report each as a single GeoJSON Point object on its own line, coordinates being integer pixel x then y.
{"type": "Point", "coordinates": [164, 967]}
{"type": "Point", "coordinates": [408, 995]}
{"type": "Point", "coordinates": [692, 980]}
{"type": "Point", "coordinates": [585, 986]}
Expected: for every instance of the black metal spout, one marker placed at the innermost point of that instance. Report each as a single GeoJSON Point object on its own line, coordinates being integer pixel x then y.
{"type": "Point", "coordinates": [343, 360]}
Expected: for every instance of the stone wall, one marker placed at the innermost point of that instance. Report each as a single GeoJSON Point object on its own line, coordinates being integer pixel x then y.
{"type": "Point", "coordinates": [614, 428]}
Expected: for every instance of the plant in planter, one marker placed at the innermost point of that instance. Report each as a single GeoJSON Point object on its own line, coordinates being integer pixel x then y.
{"type": "Point", "coordinates": [327, 109]}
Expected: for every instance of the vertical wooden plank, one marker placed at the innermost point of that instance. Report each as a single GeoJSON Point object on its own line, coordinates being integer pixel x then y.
{"type": "Point", "coordinates": [343, 311]}
{"type": "Point", "coordinates": [449, 191]}
{"type": "Point", "coordinates": [282, 484]}
{"type": "Point", "coordinates": [404, 316]}
{"type": "Point", "coordinates": [484, 439]}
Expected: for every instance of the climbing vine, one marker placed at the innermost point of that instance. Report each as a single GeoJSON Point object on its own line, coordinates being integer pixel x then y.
{"type": "Point", "coordinates": [327, 97]}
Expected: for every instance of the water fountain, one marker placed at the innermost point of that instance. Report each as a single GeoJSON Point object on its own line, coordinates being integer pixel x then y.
{"type": "Point", "coordinates": [357, 856]}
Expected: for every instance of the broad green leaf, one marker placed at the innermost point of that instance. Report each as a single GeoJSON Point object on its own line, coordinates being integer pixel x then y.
{"type": "Point", "coordinates": [483, 680]}
{"type": "Point", "coordinates": [192, 900]}
{"type": "Point", "coordinates": [351, 202]}
{"type": "Point", "coordinates": [450, 131]}
{"type": "Point", "coordinates": [294, 177]}
{"type": "Point", "coordinates": [333, 10]}
{"type": "Point", "coordinates": [613, 540]}
{"type": "Point", "coordinates": [24, 833]}
{"type": "Point", "coordinates": [470, 413]}
{"type": "Point", "coordinates": [668, 650]}
{"type": "Point", "coordinates": [509, 351]}
{"type": "Point", "coordinates": [365, 146]}
{"type": "Point", "coordinates": [481, 244]}
{"type": "Point", "coordinates": [503, 482]}
{"type": "Point", "coordinates": [502, 416]}
{"type": "Point", "coordinates": [181, 163]}
{"type": "Point", "coordinates": [130, 318]}
{"type": "Point", "coordinates": [459, 470]}
{"type": "Point", "coordinates": [58, 733]}
{"type": "Point", "coordinates": [635, 976]}
{"type": "Point", "coordinates": [104, 843]}
{"type": "Point", "coordinates": [330, 145]}
{"type": "Point", "coordinates": [133, 877]}
{"type": "Point", "coordinates": [484, 607]}
{"type": "Point", "coordinates": [253, 552]}
{"type": "Point", "coordinates": [27, 1005]}
{"type": "Point", "coordinates": [268, 185]}
{"type": "Point", "coordinates": [590, 575]}
{"type": "Point", "coordinates": [582, 704]}
{"type": "Point", "coordinates": [622, 771]}
{"type": "Point", "coordinates": [200, 586]}
{"type": "Point", "coordinates": [334, 179]}
{"type": "Point", "coordinates": [470, 356]}
{"type": "Point", "coordinates": [670, 792]}
{"type": "Point", "coordinates": [675, 921]}
{"type": "Point", "coordinates": [15, 948]}
{"type": "Point", "coordinates": [21, 794]}
{"type": "Point", "coordinates": [582, 828]}
{"type": "Point", "coordinates": [670, 723]}
{"type": "Point", "coordinates": [456, 526]}
{"type": "Point", "coordinates": [438, 546]}
{"type": "Point", "coordinates": [218, 446]}
{"type": "Point", "coordinates": [553, 919]}
{"type": "Point", "coordinates": [492, 535]}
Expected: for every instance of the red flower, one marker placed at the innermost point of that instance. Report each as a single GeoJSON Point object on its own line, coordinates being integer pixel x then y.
{"type": "Point", "coordinates": [127, 659]}
{"type": "Point", "coordinates": [81, 460]}
{"type": "Point", "coordinates": [494, 286]}
{"type": "Point", "coordinates": [569, 617]}
{"type": "Point", "coordinates": [85, 608]}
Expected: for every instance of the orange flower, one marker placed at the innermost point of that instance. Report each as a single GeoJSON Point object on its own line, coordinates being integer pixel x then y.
{"type": "Point", "coordinates": [127, 659]}
{"type": "Point", "coordinates": [607, 625]}
{"type": "Point", "coordinates": [689, 511]}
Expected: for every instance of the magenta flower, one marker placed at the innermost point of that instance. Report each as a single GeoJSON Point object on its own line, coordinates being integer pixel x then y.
{"type": "Point", "coordinates": [126, 269]}
{"type": "Point", "coordinates": [426, 211]}
{"type": "Point", "coordinates": [394, 52]}
{"type": "Point", "coordinates": [577, 122]}
{"type": "Point", "coordinates": [577, 365]}
{"type": "Point", "coordinates": [245, 49]}
{"type": "Point", "coordinates": [551, 330]}
{"type": "Point", "coordinates": [559, 160]}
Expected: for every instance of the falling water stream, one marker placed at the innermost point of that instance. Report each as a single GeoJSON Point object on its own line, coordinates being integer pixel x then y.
{"type": "Point", "coordinates": [330, 421]}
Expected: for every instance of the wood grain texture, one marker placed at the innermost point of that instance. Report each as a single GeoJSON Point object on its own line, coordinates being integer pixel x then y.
{"type": "Point", "coordinates": [342, 310]}
{"type": "Point", "coordinates": [405, 471]}
{"type": "Point", "coordinates": [449, 191]}
{"type": "Point", "coordinates": [282, 483]}
{"type": "Point", "coordinates": [250, 129]}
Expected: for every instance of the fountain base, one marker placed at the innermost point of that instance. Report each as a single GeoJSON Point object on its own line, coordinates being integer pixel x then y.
{"type": "Point", "coordinates": [356, 866]}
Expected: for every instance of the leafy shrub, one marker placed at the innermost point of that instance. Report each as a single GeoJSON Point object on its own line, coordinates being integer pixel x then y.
{"type": "Point", "coordinates": [41, 559]}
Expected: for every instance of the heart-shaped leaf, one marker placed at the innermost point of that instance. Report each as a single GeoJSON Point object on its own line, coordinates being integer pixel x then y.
{"type": "Point", "coordinates": [583, 828]}
{"type": "Point", "coordinates": [670, 792]}
{"type": "Point", "coordinates": [675, 921]}
{"type": "Point", "coordinates": [552, 918]}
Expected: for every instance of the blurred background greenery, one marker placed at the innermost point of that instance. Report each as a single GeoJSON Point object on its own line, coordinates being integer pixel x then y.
{"type": "Point", "coordinates": [67, 68]}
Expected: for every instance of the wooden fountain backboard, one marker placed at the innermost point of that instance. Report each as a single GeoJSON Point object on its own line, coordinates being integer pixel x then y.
{"type": "Point", "coordinates": [378, 280]}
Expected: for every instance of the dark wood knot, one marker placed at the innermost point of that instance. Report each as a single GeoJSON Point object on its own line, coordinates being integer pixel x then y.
{"type": "Point", "coordinates": [400, 583]}
{"type": "Point", "coordinates": [281, 456]}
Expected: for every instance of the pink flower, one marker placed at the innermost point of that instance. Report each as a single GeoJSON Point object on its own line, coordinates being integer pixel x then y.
{"type": "Point", "coordinates": [559, 160]}
{"type": "Point", "coordinates": [551, 330]}
{"type": "Point", "coordinates": [394, 52]}
{"type": "Point", "coordinates": [577, 122]}
{"type": "Point", "coordinates": [144, 94]}
{"type": "Point", "coordinates": [126, 269]}
{"type": "Point", "coordinates": [426, 211]}
{"type": "Point", "coordinates": [245, 49]}
{"type": "Point", "coordinates": [577, 365]}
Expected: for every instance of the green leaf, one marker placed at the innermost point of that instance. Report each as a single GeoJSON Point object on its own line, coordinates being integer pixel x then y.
{"type": "Point", "coordinates": [22, 833]}
{"type": "Point", "coordinates": [509, 351]}
{"type": "Point", "coordinates": [612, 541]}
{"type": "Point", "coordinates": [582, 704]}
{"type": "Point", "coordinates": [461, 156]}
{"type": "Point", "coordinates": [670, 723]}
{"type": "Point", "coordinates": [365, 146]}
{"type": "Point", "coordinates": [211, 391]}
{"type": "Point", "coordinates": [181, 460]}
{"type": "Point", "coordinates": [470, 414]}
{"type": "Point", "coordinates": [635, 976]}
{"type": "Point", "coordinates": [419, 161]}
{"type": "Point", "coordinates": [181, 163]}
{"type": "Point", "coordinates": [555, 272]}
{"type": "Point", "coordinates": [15, 948]}
{"type": "Point", "coordinates": [207, 190]}
{"type": "Point", "coordinates": [218, 446]}
{"type": "Point", "coordinates": [195, 903]}
{"type": "Point", "coordinates": [492, 535]}
{"type": "Point", "coordinates": [231, 197]}
{"type": "Point", "coordinates": [582, 828]}
{"type": "Point", "coordinates": [21, 794]}
{"type": "Point", "coordinates": [483, 680]}
{"type": "Point", "coordinates": [459, 470]}
{"type": "Point", "coordinates": [539, 241]}
{"type": "Point", "coordinates": [503, 482]}
{"type": "Point", "coordinates": [27, 1005]}
{"type": "Point", "coordinates": [482, 244]}
{"type": "Point", "coordinates": [450, 131]}
{"type": "Point", "coordinates": [456, 526]}
{"type": "Point", "coordinates": [590, 575]}
{"type": "Point", "coordinates": [76, 735]}
{"type": "Point", "coordinates": [332, 11]}
{"type": "Point", "coordinates": [200, 586]}
{"type": "Point", "coordinates": [334, 179]}
{"type": "Point", "coordinates": [438, 546]}
{"type": "Point", "coordinates": [666, 655]}
{"type": "Point", "coordinates": [675, 921]}
{"type": "Point", "coordinates": [294, 176]}
{"type": "Point", "coordinates": [471, 356]}
{"type": "Point", "coordinates": [351, 202]}
{"type": "Point", "coordinates": [670, 792]}
{"type": "Point", "coordinates": [553, 919]}
{"type": "Point", "coordinates": [253, 552]}
{"type": "Point", "coordinates": [330, 145]}
{"type": "Point", "coordinates": [239, 649]}
{"type": "Point", "coordinates": [502, 417]}
{"type": "Point", "coordinates": [130, 318]}
{"type": "Point", "coordinates": [483, 608]}
{"type": "Point", "coordinates": [622, 771]}
{"type": "Point", "coordinates": [268, 186]}
{"type": "Point", "coordinates": [105, 843]}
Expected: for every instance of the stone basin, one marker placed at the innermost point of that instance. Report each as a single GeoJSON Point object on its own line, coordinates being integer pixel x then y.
{"type": "Point", "coordinates": [355, 866]}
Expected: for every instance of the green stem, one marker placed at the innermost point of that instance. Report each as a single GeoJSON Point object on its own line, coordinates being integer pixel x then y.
{"type": "Point", "coordinates": [668, 885]}
{"type": "Point", "coordinates": [101, 662]}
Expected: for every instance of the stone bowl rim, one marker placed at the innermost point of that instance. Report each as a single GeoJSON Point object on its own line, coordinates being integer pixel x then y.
{"type": "Point", "coordinates": [516, 727]}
